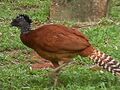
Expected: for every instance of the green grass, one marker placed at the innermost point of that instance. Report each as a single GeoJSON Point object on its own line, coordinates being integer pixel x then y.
{"type": "Point", "coordinates": [15, 59]}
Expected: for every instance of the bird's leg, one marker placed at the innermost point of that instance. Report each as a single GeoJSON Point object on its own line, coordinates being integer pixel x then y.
{"type": "Point", "coordinates": [63, 65]}
{"type": "Point", "coordinates": [57, 70]}
{"type": "Point", "coordinates": [56, 74]}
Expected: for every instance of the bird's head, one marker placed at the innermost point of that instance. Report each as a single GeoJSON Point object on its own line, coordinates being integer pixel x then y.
{"type": "Point", "coordinates": [21, 20]}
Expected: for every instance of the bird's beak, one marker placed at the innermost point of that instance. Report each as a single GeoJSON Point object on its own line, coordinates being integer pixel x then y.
{"type": "Point", "coordinates": [11, 24]}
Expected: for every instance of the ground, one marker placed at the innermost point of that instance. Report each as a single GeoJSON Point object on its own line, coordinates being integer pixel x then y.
{"type": "Point", "coordinates": [16, 59]}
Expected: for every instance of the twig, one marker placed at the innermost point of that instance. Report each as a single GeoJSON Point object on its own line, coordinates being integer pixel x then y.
{"type": "Point", "coordinates": [86, 24]}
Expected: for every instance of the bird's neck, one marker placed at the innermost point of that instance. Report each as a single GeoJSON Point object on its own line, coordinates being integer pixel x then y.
{"type": "Point", "coordinates": [25, 29]}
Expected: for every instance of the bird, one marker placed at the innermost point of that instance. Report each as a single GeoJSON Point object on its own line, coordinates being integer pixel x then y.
{"type": "Point", "coordinates": [60, 44]}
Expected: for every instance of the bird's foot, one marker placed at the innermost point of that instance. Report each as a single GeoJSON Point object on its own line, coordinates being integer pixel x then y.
{"type": "Point", "coordinates": [95, 67]}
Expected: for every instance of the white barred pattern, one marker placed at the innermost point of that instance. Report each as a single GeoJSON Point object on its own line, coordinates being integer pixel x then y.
{"type": "Point", "coordinates": [105, 61]}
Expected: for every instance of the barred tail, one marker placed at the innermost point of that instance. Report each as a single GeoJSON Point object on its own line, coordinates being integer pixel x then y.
{"type": "Point", "coordinates": [106, 62]}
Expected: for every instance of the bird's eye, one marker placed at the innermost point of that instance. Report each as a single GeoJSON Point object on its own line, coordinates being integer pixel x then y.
{"type": "Point", "coordinates": [18, 17]}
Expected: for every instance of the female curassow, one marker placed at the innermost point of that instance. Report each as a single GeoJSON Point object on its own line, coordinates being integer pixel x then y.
{"type": "Point", "coordinates": [58, 43]}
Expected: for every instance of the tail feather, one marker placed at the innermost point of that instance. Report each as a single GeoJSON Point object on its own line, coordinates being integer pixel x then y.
{"type": "Point", "coordinates": [106, 62]}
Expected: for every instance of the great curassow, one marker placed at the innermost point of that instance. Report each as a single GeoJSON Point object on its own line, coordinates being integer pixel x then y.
{"type": "Point", "coordinates": [58, 43]}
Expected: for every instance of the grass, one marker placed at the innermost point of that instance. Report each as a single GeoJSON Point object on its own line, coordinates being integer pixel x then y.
{"type": "Point", "coordinates": [15, 57]}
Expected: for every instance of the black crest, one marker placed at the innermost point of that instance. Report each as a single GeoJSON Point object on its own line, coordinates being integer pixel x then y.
{"type": "Point", "coordinates": [26, 17]}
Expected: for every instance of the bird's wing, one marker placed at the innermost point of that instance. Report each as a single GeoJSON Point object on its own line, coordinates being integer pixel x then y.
{"type": "Point", "coordinates": [68, 41]}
